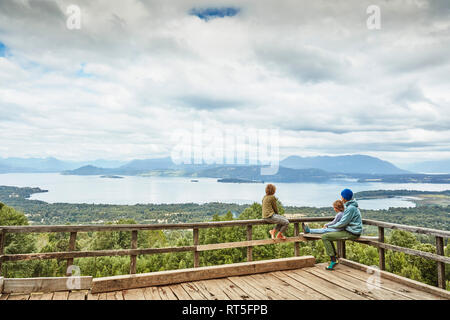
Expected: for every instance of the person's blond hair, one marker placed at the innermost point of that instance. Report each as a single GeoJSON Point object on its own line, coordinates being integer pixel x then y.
{"type": "Point", "coordinates": [270, 189]}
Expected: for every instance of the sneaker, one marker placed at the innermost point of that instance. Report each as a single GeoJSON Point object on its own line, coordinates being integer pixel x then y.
{"type": "Point", "coordinates": [331, 265]}
{"type": "Point", "coordinates": [305, 228]}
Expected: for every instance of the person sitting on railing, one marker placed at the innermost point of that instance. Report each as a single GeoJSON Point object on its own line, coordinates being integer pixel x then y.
{"type": "Point", "coordinates": [339, 208]}
{"type": "Point", "coordinates": [270, 213]}
{"type": "Point", "coordinates": [351, 223]}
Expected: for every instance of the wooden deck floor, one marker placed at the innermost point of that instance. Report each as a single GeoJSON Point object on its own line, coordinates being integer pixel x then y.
{"type": "Point", "coordinates": [313, 283]}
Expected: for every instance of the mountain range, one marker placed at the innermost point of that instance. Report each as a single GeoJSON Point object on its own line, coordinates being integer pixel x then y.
{"type": "Point", "coordinates": [291, 169]}
{"type": "Point", "coordinates": [354, 164]}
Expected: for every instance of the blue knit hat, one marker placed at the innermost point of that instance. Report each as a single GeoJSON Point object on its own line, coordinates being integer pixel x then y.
{"type": "Point", "coordinates": [347, 194]}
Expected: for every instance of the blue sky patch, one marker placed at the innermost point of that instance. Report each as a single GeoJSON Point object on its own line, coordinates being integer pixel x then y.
{"type": "Point", "coordinates": [212, 13]}
{"type": "Point", "coordinates": [3, 49]}
{"type": "Point", "coordinates": [83, 74]}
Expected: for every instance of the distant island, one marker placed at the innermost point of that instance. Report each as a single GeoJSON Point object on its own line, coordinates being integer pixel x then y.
{"type": "Point", "coordinates": [408, 178]}
{"type": "Point", "coordinates": [236, 180]}
{"type": "Point", "coordinates": [111, 177]}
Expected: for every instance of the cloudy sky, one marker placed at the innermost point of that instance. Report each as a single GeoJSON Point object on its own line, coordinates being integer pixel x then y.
{"type": "Point", "coordinates": [137, 70]}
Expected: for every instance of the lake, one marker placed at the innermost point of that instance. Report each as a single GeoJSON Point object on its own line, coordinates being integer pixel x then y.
{"type": "Point", "coordinates": [132, 190]}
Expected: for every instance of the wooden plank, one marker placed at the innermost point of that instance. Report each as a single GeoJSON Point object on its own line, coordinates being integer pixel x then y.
{"type": "Point", "coordinates": [4, 296]}
{"type": "Point", "coordinates": [2, 248]}
{"type": "Point", "coordinates": [72, 246]}
{"type": "Point", "coordinates": [92, 296]}
{"type": "Point", "coordinates": [77, 295]}
{"type": "Point", "coordinates": [385, 284]}
{"type": "Point", "coordinates": [296, 244]}
{"type": "Point", "coordinates": [61, 295]}
{"type": "Point", "coordinates": [249, 290]}
{"type": "Point", "coordinates": [211, 290]}
{"type": "Point", "coordinates": [440, 265]}
{"type": "Point", "coordinates": [402, 280]}
{"type": "Point", "coordinates": [161, 226]}
{"type": "Point", "coordinates": [115, 295]}
{"type": "Point", "coordinates": [196, 245]}
{"type": "Point", "coordinates": [152, 293]}
{"type": "Point", "coordinates": [193, 291]}
{"type": "Point", "coordinates": [133, 257]}
{"type": "Point", "coordinates": [381, 253]}
{"type": "Point", "coordinates": [166, 294]}
{"type": "Point", "coordinates": [133, 294]}
{"type": "Point", "coordinates": [423, 254]}
{"type": "Point", "coordinates": [306, 292]}
{"type": "Point", "coordinates": [36, 296]}
{"type": "Point", "coordinates": [433, 232]}
{"type": "Point", "coordinates": [249, 238]}
{"type": "Point", "coordinates": [97, 253]}
{"type": "Point", "coordinates": [18, 297]}
{"type": "Point", "coordinates": [332, 291]}
{"type": "Point", "coordinates": [231, 290]}
{"type": "Point", "coordinates": [282, 288]}
{"type": "Point", "coordinates": [179, 292]}
{"type": "Point", "coordinates": [116, 283]}
{"type": "Point", "coordinates": [41, 296]}
{"type": "Point", "coordinates": [47, 296]}
{"type": "Point", "coordinates": [341, 248]}
{"type": "Point", "coordinates": [372, 292]}
{"type": "Point", "coordinates": [251, 243]}
{"type": "Point", "coordinates": [51, 284]}
{"type": "Point", "coordinates": [265, 290]}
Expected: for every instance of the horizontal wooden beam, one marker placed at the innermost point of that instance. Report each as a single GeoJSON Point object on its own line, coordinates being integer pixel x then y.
{"type": "Point", "coordinates": [86, 254]}
{"type": "Point", "coordinates": [239, 244]}
{"type": "Point", "coordinates": [433, 232]}
{"type": "Point", "coordinates": [139, 227]}
{"type": "Point", "coordinates": [195, 274]}
{"type": "Point", "coordinates": [396, 278]}
{"type": "Point", "coordinates": [423, 254]}
{"type": "Point", "coordinates": [52, 284]}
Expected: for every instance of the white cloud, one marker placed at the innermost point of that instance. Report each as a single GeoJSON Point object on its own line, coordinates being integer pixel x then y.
{"type": "Point", "coordinates": [137, 70]}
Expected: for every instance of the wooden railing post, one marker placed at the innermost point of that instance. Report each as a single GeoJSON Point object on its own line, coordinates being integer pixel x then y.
{"type": "Point", "coordinates": [196, 253]}
{"type": "Point", "coordinates": [341, 249]}
{"type": "Point", "coordinates": [440, 265]}
{"type": "Point", "coordinates": [249, 238]}
{"type": "Point", "coordinates": [381, 252]}
{"type": "Point", "coordinates": [72, 247]}
{"type": "Point", "coordinates": [2, 246]}
{"type": "Point", "coordinates": [296, 244]}
{"type": "Point", "coordinates": [133, 257]}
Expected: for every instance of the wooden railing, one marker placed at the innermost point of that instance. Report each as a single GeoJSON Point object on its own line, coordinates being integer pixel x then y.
{"type": "Point", "coordinates": [196, 248]}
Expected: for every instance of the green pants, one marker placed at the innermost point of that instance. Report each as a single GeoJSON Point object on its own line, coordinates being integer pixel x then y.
{"type": "Point", "coordinates": [329, 237]}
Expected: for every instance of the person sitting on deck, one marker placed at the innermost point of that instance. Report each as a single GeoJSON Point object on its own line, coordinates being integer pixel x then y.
{"type": "Point", "coordinates": [351, 223]}
{"type": "Point", "coordinates": [339, 208]}
{"type": "Point", "coordinates": [270, 213]}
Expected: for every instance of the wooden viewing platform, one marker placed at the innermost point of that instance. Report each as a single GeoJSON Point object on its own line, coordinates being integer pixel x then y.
{"type": "Point", "coordinates": [279, 279]}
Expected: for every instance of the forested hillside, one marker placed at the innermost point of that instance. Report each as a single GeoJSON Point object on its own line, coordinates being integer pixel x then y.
{"type": "Point", "coordinates": [399, 263]}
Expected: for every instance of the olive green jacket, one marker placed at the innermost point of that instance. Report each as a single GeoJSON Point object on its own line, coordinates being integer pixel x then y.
{"type": "Point", "coordinates": [269, 206]}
